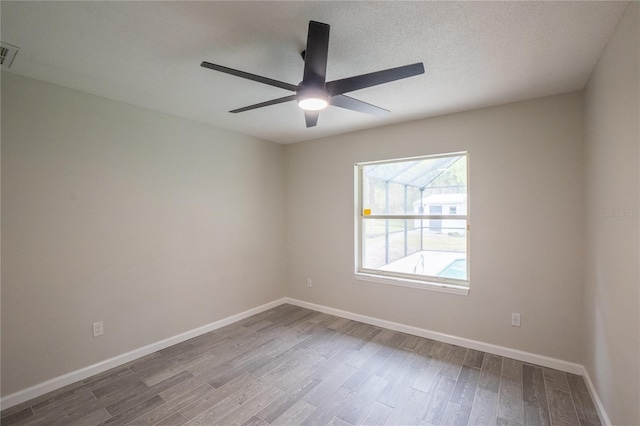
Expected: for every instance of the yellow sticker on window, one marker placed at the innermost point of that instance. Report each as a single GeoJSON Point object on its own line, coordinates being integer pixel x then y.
{"type": "Point", "coordinates": [366, 212]}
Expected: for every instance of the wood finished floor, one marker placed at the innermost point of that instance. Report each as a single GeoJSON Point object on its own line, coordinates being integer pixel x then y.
{"type": "Point", "coordinates": [290, 366]}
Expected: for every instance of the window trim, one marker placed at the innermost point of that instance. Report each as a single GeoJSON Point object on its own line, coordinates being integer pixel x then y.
{"type": "Point", "coordinates": [440, 284]}
{"type": "Point", "coordinates": [421, 285]}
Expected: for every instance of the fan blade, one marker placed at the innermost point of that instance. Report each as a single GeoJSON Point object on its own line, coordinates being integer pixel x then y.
{"type": "Point", "coordinates": [347, 102]}
{"type": "Point", "coordinates": [315, 59]}
{"type": "Point", "coordinates": [267, 103]}
{"type": "Point", "coordinates": [349, 84]}
{"type": "Point", "coordinates": [311, 118]}
{"type": "Point", "coordinates": [249, 76]}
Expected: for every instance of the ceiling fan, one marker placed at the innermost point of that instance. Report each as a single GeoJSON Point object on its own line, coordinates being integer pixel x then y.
{"type": "Point", "coordinates": [314, 94]}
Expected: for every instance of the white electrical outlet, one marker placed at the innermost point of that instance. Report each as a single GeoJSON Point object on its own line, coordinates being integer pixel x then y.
{"type": "Point", "coordinates": [309, 283]}
{"type": "Point", "coordinates": [515, 320]}
{"type": "Point", "coordinates": [98, 329]}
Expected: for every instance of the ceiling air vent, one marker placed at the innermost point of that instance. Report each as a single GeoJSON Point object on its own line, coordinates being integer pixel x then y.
{"type": "Point", "coordinates": [7, 54]}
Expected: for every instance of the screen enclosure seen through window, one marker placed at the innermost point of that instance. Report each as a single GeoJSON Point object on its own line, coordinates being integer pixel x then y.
{"type": "Point", "coordinates": [412, 220]}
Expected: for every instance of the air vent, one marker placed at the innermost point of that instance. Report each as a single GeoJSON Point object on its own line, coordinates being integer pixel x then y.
{"type": "Point", "coordinates": [7, 54]}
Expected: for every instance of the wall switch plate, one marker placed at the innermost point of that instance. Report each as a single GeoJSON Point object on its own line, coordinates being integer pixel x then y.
{"type": "Point", "coordinates": [309, 283]}
{"type": "Point", "coordinates": [515, 320]}
{"type": "Point", "coordinates": [98, 329]}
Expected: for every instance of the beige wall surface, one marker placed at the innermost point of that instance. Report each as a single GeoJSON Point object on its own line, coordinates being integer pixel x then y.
{"type": "Point", "coordinates": [153, 224]}
{"type": "Point", "coordinates": [612, 279]}
{"type": "Point", "coordinates": [525, 178]}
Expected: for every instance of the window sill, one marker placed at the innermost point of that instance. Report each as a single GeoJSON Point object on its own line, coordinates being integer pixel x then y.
{"type": "Point", "coordinates": [422, 285]}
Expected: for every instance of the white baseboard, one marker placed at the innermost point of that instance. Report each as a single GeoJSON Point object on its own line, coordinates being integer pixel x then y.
{"type": "Point", "coordinates": [529, 357]}
{"type": "Point", "coordinates": [604, 418]}
{"type": "Point", "coordinates": [81, 374]}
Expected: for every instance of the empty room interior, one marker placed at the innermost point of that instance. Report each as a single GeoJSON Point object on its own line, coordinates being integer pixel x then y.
{"type": "Point", "coordinates": [314, 213]}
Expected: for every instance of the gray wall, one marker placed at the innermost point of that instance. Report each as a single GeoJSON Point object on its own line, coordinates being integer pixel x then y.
{"type": "Point", "coordinates": [153, 224]}
{"type": "Point", "coordinates": [612, 284]}
{"type": "Point", "coordinates": [525, 180]}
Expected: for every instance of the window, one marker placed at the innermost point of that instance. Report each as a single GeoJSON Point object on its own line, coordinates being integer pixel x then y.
{"type": "Point", "coordinates": [412, 222]}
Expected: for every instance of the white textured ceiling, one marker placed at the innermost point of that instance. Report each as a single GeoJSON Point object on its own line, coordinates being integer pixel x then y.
{"type": "Point", "coordinates": [148, 54]}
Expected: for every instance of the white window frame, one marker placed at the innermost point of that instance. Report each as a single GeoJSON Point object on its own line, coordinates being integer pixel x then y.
{"type": "Point", "coordinates": [433, 283]}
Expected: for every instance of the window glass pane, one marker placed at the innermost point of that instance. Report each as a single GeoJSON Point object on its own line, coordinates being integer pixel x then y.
{"type": "Point", "coordinates": [450, 184]}
{"type": "Point", "coordinates": [435, 248]}
{"type": "Point", "coordinates": [416, 187]}
{"type": "Point", "coordinates": [388, 240]}
{"type": "Point", "coordinates": [390, 197]}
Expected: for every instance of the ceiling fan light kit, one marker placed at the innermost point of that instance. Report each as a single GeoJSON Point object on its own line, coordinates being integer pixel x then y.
{"type": "Point", "coordinates": [312, 99]}
{"type": "Point", "coordinates": [314, 93]}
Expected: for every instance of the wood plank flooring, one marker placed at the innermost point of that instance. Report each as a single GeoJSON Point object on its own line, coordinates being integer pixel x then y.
{"type": "Point", "coordinates": [293, 366]}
